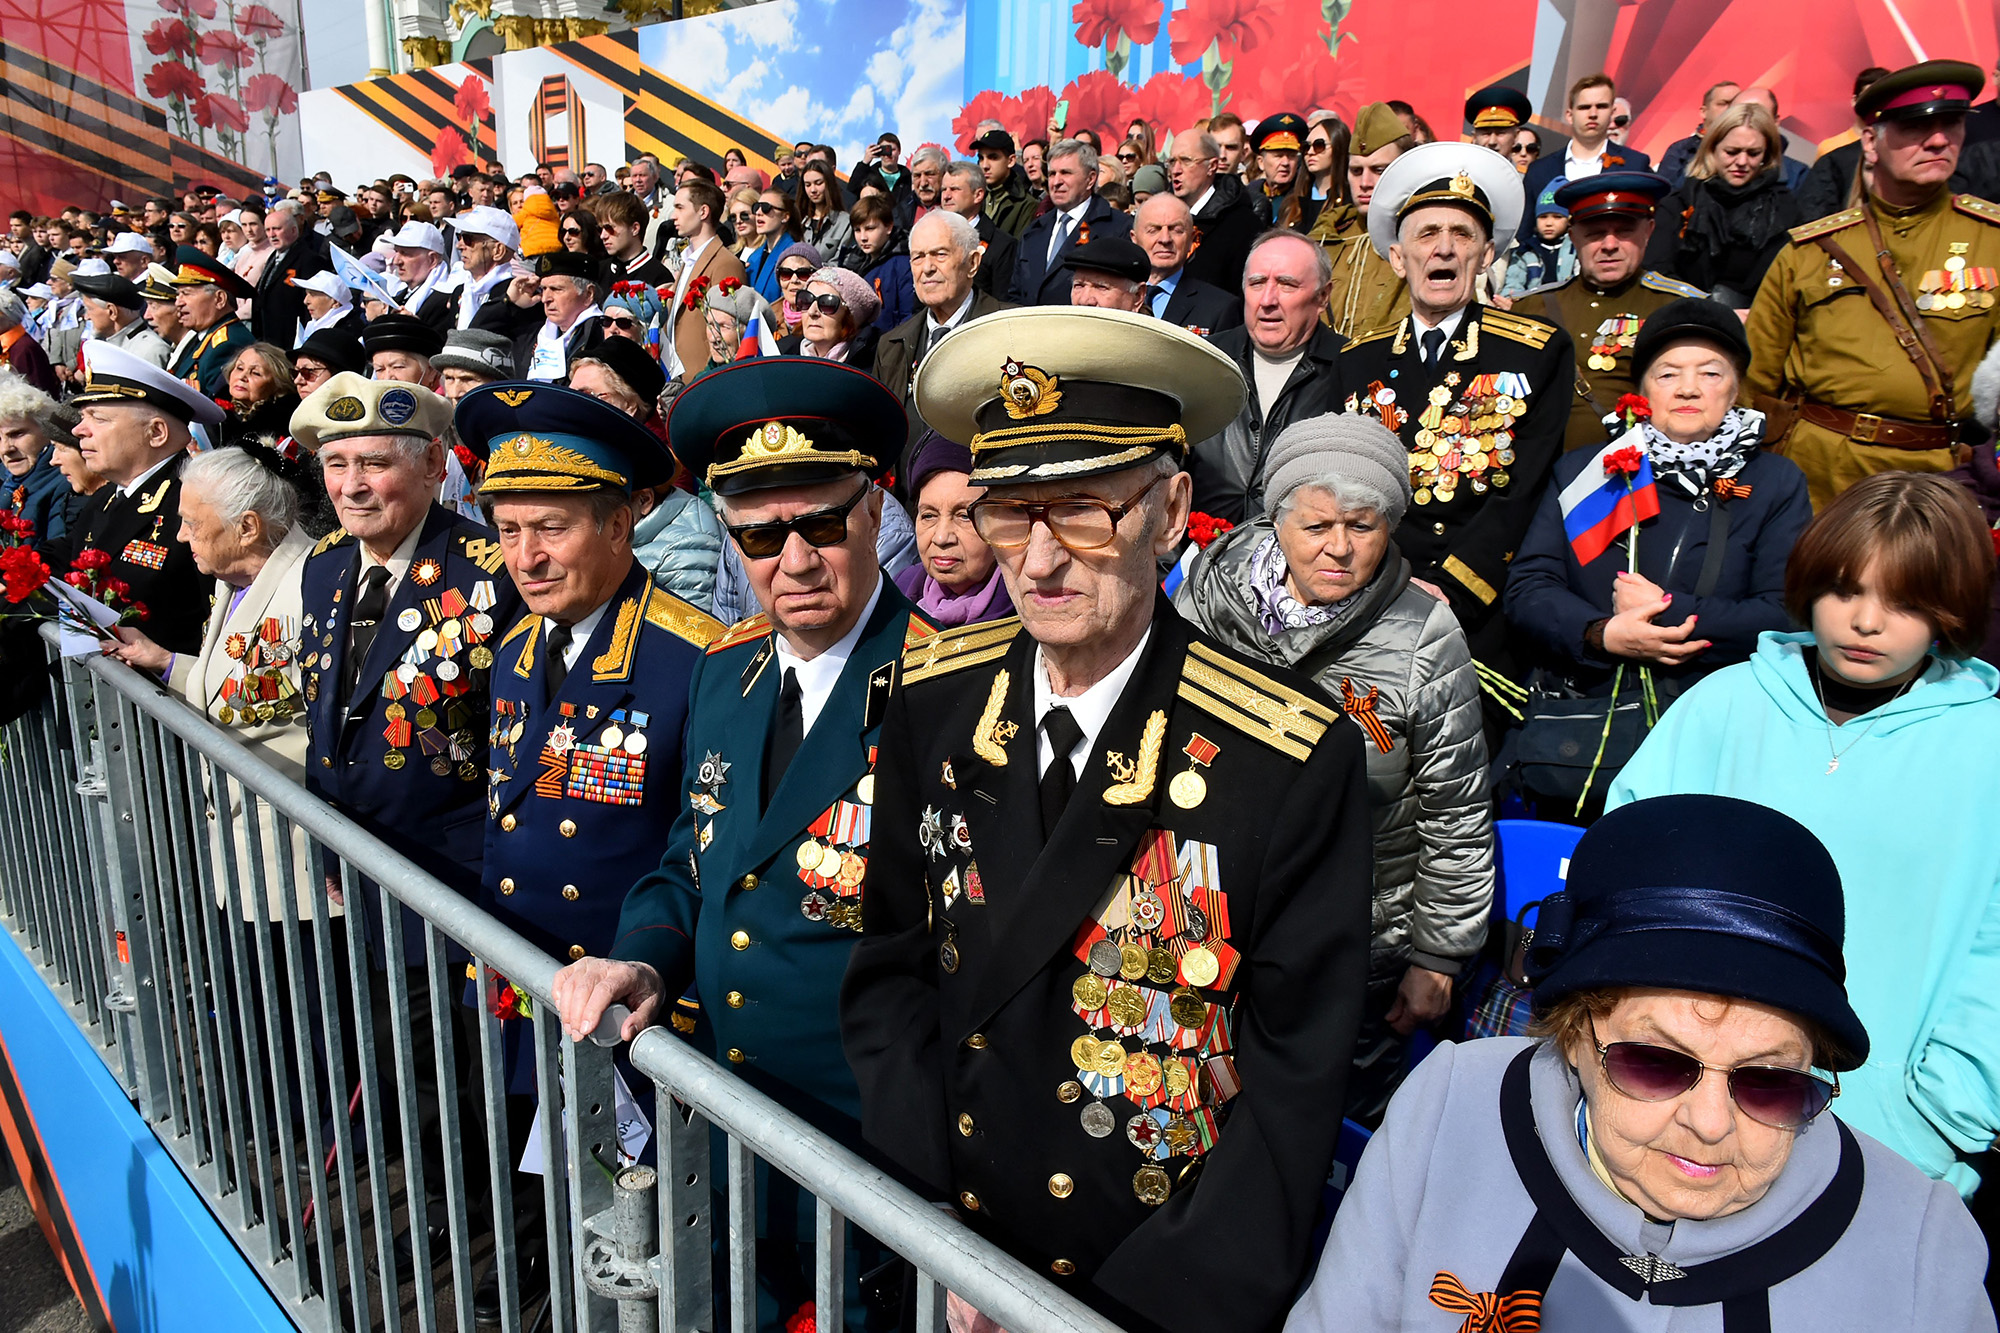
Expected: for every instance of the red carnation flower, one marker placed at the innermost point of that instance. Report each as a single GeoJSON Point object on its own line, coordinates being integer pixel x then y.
{"type": "Point", "coordinates": [1096, 102]}
{"type": "Point", "coordinates": [170, 37]}
{"type": "Point", "coordinates": [989, 105]}
{"type": "Point", "coordinates": [258, 23]}
{"type": "Point", "coordinates": [472, 102]}
{"type": "Point", "coordinates": [1624, 462]}
{"type": "Point", "coordinates": [1232, 25]}
{"type": "Point", "coordinates": [1100, 22]}
{"type": "Point", "coordinates": [1205, 528]}
{"type": "Point", "coordinates": [22, 573]}
{"type": "Point", "coordinates": [1633, 405]}
{"type": "Point", "coordinates": [218, 112]}
{"type": "Point", "coordinates": [194, 9]}
{"type": "Point", "coordinates": [269, 92]}
{"type": "Point", "coordinates": [219, 46]}
{"type": "Point", "coordinates": [90, 557]}
{"type": "Point", "coordinates": [171, 81]}
{"type": "Point", "coordinates": [1168, 101]}
{"type": "Point", "coordinates": [449, 151]}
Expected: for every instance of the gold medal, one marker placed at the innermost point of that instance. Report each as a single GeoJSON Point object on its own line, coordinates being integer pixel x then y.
{"type": "Point", "coordinates": [1188, 789]}
{"type": "Point", "coordinates": [1151, 1186]}
{"type": "Point", "coordinates": [1955, 301]}
{"type": "Point", "coordinates": [1083, 1053]}
{"type": "Point", "coordinates": [1131, 961]}
{"type": "Point", "coordinates": [1423, 496]}
{"type": "Point", "coordinates": [1142, 1074]}
{"type": "Point", "coordinates": [426, 718]}
{"type": "Point", "coordinates": [1175, 1077]}
{"type": "Point", "coordinates": [1188, 1009]}
{"type": "Point", "coordinates": [481, 658]}
{"type": "Point", "coordinates": [808, 854]}
{"type": "Point", "coordinates": [1161, 967]}
{"type": "Point", "coordinates": [394, 712]}
{"type": "Point", "coordinates": [1180, 1136]}
{"type": "Point", "coordinates": [225, 715]}
{"type": "Point", "coordinates": [394, 759]}
{"type": "Point", "coordinates": [1089, 990]}
{"type": "Point", "coordinates": [1110, 1058]}
{"type": "Point", "coordinates": [1125, 1007]}
{"type": "Point", "coordinates": [1068, 1091]}
{"type": "Point", "coordinates": [1199, 967]}
{"type": "Point", "coordinates": [829, 861]}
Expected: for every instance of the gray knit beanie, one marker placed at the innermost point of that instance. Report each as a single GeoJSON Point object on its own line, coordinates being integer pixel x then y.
{"type": "Point", "coordinates": [1340, 447]}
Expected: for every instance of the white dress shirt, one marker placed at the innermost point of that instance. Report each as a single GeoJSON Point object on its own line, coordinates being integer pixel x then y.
{"type": "Point", "coordinates": [1091, 709]}
{"type": "Point", "coordinates": [817, 675]}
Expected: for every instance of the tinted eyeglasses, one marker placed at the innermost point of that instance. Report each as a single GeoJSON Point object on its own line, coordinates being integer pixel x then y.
{"type": "Point", "coordinates": [736, 216]}
{"type": "Point", "coordinates": [826, 301]}
{"type": "Point", "coordinates": [1769, 1094]}
{"type": "Point", "coordinates": [1318, 145]}
{"type": "Point", "coordinates": [618, 321]}
{"type": "Point", "coordinates": [1620, 122]}
{"type": "Point", "coordinates": [762, 206]}
{"type": "Point", "coordinates": [573, 231]}
{"type": "Point", "coordinates": [1128, 157]}
{"type": "Point", "coordinates": [1080, 524]}
{"type": "Point", "coordinates": [822, 527]}
{"type": "Point", "coordinates": [795, 274]}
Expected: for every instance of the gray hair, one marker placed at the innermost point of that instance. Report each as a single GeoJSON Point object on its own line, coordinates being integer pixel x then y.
{"type": "Point", "coordinates": [612, 377]}
{"type": "Point", "coordinates": [966, 173]}
{"type": "Point", "coordinates": [1322, 261]}
{"type": "Point", "coordinates": [596, 293]}
{"type": "Point", "coordinates": [22, 401]}
{"type": "Point", "coordinates": [13, 310]}
{"type": "Point", "coordinates": [1347, 492]}
{"type": "Point", "coordinates": [235, 483]}
{"type": "Point", "coordinates": [1209, 145]}
{"type": "Point", "coordinates": [1085, 155]}
{"type": "Point", "coordinates": [930, 153]}
{"type": "Point", "coordinates": [964, 234]}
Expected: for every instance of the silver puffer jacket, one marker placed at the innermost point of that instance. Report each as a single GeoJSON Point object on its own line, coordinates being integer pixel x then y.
{"type": "Point", "coordinates": [1433, 823]}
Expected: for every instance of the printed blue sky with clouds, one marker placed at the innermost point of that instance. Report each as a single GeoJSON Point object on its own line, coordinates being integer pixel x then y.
{"type": "Point", "coordinates": [790, 65]}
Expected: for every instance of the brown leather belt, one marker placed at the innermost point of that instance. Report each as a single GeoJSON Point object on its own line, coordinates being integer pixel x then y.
{"type": "Point", "coordinates": [1884, 432]}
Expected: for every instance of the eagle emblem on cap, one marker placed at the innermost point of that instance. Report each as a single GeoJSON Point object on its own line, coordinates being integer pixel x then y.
{"type": "Point", "coordinates": [1028, 392]}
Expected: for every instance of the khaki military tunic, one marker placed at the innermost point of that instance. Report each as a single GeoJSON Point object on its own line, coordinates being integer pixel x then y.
{"type": "Point", "coordinates": [1815, 336]}
{"type": "Point", "coordinates": [1603, 323]}
{"type": "Point", "coordinates": [1367, 294]}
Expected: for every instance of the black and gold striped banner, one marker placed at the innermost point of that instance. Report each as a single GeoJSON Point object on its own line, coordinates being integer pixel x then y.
{"type": "Point", "coordinates": [416, 106]}
{"type": "Point", "coordinates": [665, 118]}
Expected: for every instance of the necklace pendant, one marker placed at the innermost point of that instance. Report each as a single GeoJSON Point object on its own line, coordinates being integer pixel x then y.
{"type": "Point", "coordinates": [1831, 765]}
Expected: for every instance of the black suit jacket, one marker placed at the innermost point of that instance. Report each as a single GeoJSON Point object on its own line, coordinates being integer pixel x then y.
{"type": "Point", "coordinates": [1227, 226]}
{"type": "Point", "coordinates": [996, 266]}
{"type": "Point", "coordinates": [140, 532]}
{"type": "Point", "coordinates": [583, 335]}
{"type": "Point", "coordinates": [1039, 282]}
{"type": "Point", "coordinates": [957, 1012]}
{"type": "Point", "coordinates": [277, 308]}
{"type": "Point", "coordinates": [440, 311]}
{"type": "Point", "coordinates": [897, 354]}
{"type": "Point", "coordinates": [1202, 307]}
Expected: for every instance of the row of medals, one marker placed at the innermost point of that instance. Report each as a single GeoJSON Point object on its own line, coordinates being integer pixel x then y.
{"type": "Point", "coordinates": [1479, 447]}
{"type": "Point", "coordinates": [1144, 1072]}
{"type": "Point", "coordinates": [451, 637]}
{"type": "Point", "coordinates": [272, 655]}
{"type": "Point", "coordinates": [830, 862]}
{"type": "Point", "coordinates": [1956, 287]}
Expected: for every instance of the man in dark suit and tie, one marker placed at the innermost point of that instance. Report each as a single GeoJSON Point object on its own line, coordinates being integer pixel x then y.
{"type": "Point", "coordinates": [278, 309]}
{"type": "Point", "coordinates": [1164, 228]}
{"type": "Point", "coordinates": [1588, 115]}
{"type": "Point", "coordinates": [1075, 215]}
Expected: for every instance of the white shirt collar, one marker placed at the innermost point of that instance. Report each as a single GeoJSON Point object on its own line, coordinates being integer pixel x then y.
{"type": "Point", "coordinates": [398, 562]}
{"type": "Point", "coordinates": [1091, 709]}
{"type": "Point", "coordinates": [692, 255]}
{"type": "Point", "coordinates": [818, 675]}
{"type": "Point", "coordinates": [1449, 323]}
{"type": "Point", "coordinates": [1202, 202]}
{"type": "Point", "coordinates": [146, 476]}
{"type": "Point", "coordinates": [931, 324]}
{"type": "Point", "coordinates": [580, 632]}
{"type": "Point", "coordinates": [1575, 166]}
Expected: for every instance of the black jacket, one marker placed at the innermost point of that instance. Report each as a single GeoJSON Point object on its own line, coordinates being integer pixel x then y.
{"type": "Point", "coordinates": [1039, 282]}
{"type": "Point", "coordinates": [1202, 308]}
{"type": "Point", "coordinates": [278, 309]}
{"type": "Point", "coordinates": [996, 266]}
{"type": "Point", "coordinates": [1226, 226]}
{"type": "Point", "coordinates": [583, 335]}
{"type": "Point", "coordinates": [140, 531]}
{"type": "Point", "coordinates": [1229, 468]}
{"type": "Point", "coordinates": [957, 1009]}
{"type": "Point", "coordinates": [1754, 228]}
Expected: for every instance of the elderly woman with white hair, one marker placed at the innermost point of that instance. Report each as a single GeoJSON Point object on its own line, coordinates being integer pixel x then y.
{"type": "Point", "coordinates": [727, 307]}
{"type": "Point", "coordinates": [839, 321]}
{"type": "Point", "coordinates": [1318, 585]}
{"type": "Point", "coordinates": [31, 486]}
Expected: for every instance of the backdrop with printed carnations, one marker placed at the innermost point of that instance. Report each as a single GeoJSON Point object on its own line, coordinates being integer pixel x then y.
{"type": "Point", "coordinates": [104, 100]}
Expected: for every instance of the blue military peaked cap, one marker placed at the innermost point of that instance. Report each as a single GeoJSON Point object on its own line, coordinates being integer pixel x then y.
{"type": "Point", "coordinates": [541, 437]}
{"type": "Point", "coordinates": [785, 421]}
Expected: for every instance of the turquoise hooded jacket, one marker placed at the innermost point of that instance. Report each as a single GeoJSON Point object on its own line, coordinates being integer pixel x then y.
{"type": "Point", "coordinates": [1918, 862]}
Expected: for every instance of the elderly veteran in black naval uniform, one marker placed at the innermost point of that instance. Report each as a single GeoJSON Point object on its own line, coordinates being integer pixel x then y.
{"type": "Point", "coordinates": [1116, 924]}
{"type": "Point", "coordinates": [400, 608]}
{"type": "Point", "coordinates": [1480, 396]}
{"type": "Point", "coordinates": [589, 694]}
{"type": "Point", "coordinates": [758, 896]}
{"type": "Point", "coordinates": [205, 293]}
{"type": "Point", "coordinates": [1611, 223]}
{"type": "Point", "coordinates": [134, 432]}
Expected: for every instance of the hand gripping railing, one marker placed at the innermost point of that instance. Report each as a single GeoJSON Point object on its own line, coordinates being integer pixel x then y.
{"type": "Point", "coordinates": [283, 1068]}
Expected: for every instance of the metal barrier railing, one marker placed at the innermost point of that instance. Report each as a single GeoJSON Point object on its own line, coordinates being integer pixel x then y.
{"type": "Point", "coordinates": [281, 1068]}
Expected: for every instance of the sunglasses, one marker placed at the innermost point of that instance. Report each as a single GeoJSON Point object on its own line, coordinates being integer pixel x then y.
{"type": "Point", "coordinates": [795, 274]}
{"type": "Point", "coordinates": [1527, 150]}
{"type": "Point", "coordinates": [1081, 524]}
{"type": "Point", "coordinates": [1318, 145]}
{"type": "Point", "coordinates": [1128, 157]}
{"type": "Point", "coordinates": [572, 231]}
{"type": "Point", "coordinates": [822, 527]}
{"type": "Point", "coordinates": [1620, 122]}
{"type": "Point", "coordinates": [826, 301]}
{"type": "Point", "coordinates": [762, 207]}
{"type": "Point", "coordinates": [1769, 1094]}
{"type": "Point", "coordinates": [621, 321]}
{"type": "Point", "coordinates": [738, 217]}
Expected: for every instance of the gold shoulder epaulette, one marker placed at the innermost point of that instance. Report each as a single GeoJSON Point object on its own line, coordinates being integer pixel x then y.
{"type": "Point", "coordinates": [743, 631]}
{"type": "Point", "coordinates": [521, 626]}
{"type": "Point", "coordinates": [1831, 222]}
{"type": "Point", "coordinates": [668, 612]}
{"type": "Point", "coordinates": [482, 551]}
{"type": "Point", "coordinates": [1253, 703]}
{"type": "Point", "coordinates": [1983, 209]}
{"type": "Point", "coordinates": [1660, 282]}
{"type": "Point", "coordinates": [331, 540]}
{"type": "Point", "coordinates": [1372, 336]}
{"type": "Point", "coordinates": [917, 630]}
{"type": "Point", "coordinates": [956, 649]}
{"type": "Point", "coordinates": [1519, 328]}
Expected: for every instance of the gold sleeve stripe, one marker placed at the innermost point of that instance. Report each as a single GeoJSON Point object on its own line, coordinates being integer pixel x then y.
{"type": "Point", "coordinates": [1293, 701]}
{"type": "Point", "coordinates": [1253, 727]}
{"type": "Point", "coordinates": [1477, 586]}
{"type": "Point", "coordinates": [944, 666]}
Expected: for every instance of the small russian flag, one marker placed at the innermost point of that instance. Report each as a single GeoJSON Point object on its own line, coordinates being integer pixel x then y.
{"type": "Point", "coordinates": [1607, 499]}
{"type": "Point", "coordinates": [756, 341]}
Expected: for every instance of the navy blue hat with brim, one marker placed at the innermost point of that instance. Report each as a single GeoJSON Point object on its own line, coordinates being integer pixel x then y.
{"type": "Point", "coordinates": [336, 349]}
{"type": "Point", "coordinates": [1707, 894]}
{"type": "Point", "coordinates": [1633, 193]}
{"type": "Point", "coordinates": [544, 438]}
{"type": "Point", "coordinates": [785, 421]}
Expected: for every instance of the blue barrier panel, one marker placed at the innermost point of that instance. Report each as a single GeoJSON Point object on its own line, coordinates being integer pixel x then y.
{"type": "Point", "coordinates": [157, 1256]}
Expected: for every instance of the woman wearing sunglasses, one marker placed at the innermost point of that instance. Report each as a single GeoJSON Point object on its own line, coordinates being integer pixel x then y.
{"type": "Point", "coordinates": [839, 319]}
{"type": "Point", "coordinates": [741, 212]}
{"type": "Point", "coordinates": [1327, 137]}
{"type": "Point", "coordinates": [1664, 1141]}
{"type": "Point", "coordinates": [774, 221]}
{"type": "Point", "coordinates": [580, 232]}
{"type": "Point", "coordinates": [797, 263]}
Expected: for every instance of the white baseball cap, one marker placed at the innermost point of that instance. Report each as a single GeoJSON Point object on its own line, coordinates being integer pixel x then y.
{"type": "Point", "coordinates": [485, 220]}
{"type": "Point", "coordinates": [419, 236]}
{"type": "Point", "coordinates": [326, 284]}
{"type": "Point", "coordinates": [38, 289]}
{"type": "Point", "coordinates": [91, 268]}
{"type": "Point", "coordinates": [129, 243]}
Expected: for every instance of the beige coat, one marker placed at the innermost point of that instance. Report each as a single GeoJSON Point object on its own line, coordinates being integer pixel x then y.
{"type": "Point", "coordinates": [690, 326]}
{"type": "Point", "coordinates": [200, 679]}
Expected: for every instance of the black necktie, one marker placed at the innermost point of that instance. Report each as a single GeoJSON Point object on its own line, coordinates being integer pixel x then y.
{"type": "Point", "coordinates": [369, 608]}
{"type": "Point", "coordinates": [1059, 724]}
{"type": "Point", "coordinates": [1433, 341]}
{"type": "Point", "coordinates": [787, 735]}
{"type": "Point", "coordinates": [556, 670]}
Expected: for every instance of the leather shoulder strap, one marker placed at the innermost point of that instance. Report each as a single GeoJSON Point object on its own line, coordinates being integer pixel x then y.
{"type": "Point", "coordinates": [1913, 345]}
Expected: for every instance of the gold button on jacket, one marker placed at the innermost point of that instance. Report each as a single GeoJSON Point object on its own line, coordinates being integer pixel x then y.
{"type": "Point", "coordinates": [740, 940]}
{"type": "Point", "coordinates": [507, 823]}
{"type": "Point", "coordinates": [1061, 1185]}
{"type": "Point", "coordinates": [965, 1124]}
{"type": "Point", "coordinates": [506, 886]}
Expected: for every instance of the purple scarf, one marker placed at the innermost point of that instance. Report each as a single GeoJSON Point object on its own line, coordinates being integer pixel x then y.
{"type": "Point", "coordinates": [989, 601]}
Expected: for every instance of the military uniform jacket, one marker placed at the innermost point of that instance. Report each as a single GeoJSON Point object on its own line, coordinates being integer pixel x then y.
{"type": "Point", "coordinates": [1121, 1050]}
{"type": "Point", "coordinates": [1602, 325]}
{"type": "Point", "coordinates": [1366, 292]}
{"type": "Point", "coordinates": [734, 904]}
{"type": "Point", "coordinates": [205, 362]}
{"type": "Point", "coordinates": [583, 787]}
{"type": "Point", "coordinates": [407, 757]}
{"type": "Point", "coordinates": [140, 530]}
{"type": "Point", "coordinates": [1483, 427]}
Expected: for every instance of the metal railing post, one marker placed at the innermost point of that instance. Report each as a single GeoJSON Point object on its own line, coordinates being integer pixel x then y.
{"type": "Point", "coordinates": [687, 1301]}
{"type": "Point", "coordinates": [590, 1125]}
{"type": "Point", "coordinates": [136, 994]}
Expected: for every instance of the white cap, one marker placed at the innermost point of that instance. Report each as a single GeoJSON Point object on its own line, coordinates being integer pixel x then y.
{"type": "Point", "coordinates": [233, 215]}
{"type": "Point", "coordinates": [8, 260]}
{"type": "Point", "coordinates": [485, 220]}
{"type": "Point", "coordinates": [91, 268]}
{"type": "Point", "coordinates": [419, 236]}
{"type": "Point", "coordinates": [113, 374]}
{"type": "Point", "coordinates": [326, 284]}
{"type": "Point", "coordinates": [129, 243]}
{"type": "Point", "coordinates": [38, 289]}
{"type": "Point", "coordinates": [117, 204]}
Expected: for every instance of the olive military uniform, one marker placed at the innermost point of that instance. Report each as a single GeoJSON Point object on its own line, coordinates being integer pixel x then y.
{"type": "Point", "coordinates": [1820, 348]}
{"type": "Point", "coordinates": [1366, 293]}
{"type": "Point", "coordinates": [1602, 324]}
